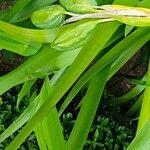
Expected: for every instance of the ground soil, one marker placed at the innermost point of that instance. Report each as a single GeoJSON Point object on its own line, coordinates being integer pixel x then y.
{"type": "Point", "coordinates": [133, 69]}
{"type": "Point", "coordinates": [6, 4]}
{"type": "Point", "coordinates": [7, 64]}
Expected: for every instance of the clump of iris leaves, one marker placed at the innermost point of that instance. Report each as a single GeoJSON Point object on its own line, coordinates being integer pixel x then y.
{"type": "Point", "coordinates": [108, 131]}
{"type": "Point", "coordinates": [111, 128]}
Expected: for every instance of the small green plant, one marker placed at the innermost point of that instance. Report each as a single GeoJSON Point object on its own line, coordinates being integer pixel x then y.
{"type": "Point", "coordinates": [107, 134]}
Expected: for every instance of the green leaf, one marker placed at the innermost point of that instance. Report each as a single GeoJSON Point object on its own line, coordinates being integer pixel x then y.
{"type": "Point", "coordinates": [50, 127]}
{"type": "Point", "coordinates": [128, 29]}
{"type": "Point", "coordinates": [144, 3]}
{"type": "Point", "coordinates": [19, 5]}
{"type": "Point", "coordinates": [126, 2]}
{"type": "Point", "coordinates": [141, 141]}
{"type": "Point", "coordinates": [145, 110]}
{"type": "Point", "coordinates": [88, 110]}
{"type": "Point", "coordinates": [40, 137]}
{"type": "Point", "coordinates": [136, 106]}
{"type": "Point", "coordinates": [32, 35]}
{"type": "Point", "coordinates": [131, 94]}
{"type": "Point", "coordinates": [137, 81]}
{"type": "Point", "coordinates": [31, 7]}
{"type": "Point", "coordinates": [102, 2]}
{"type": "Point", "coordinates": [25, 89]}
{"type": "Point", "coordinates": [17, 45]}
